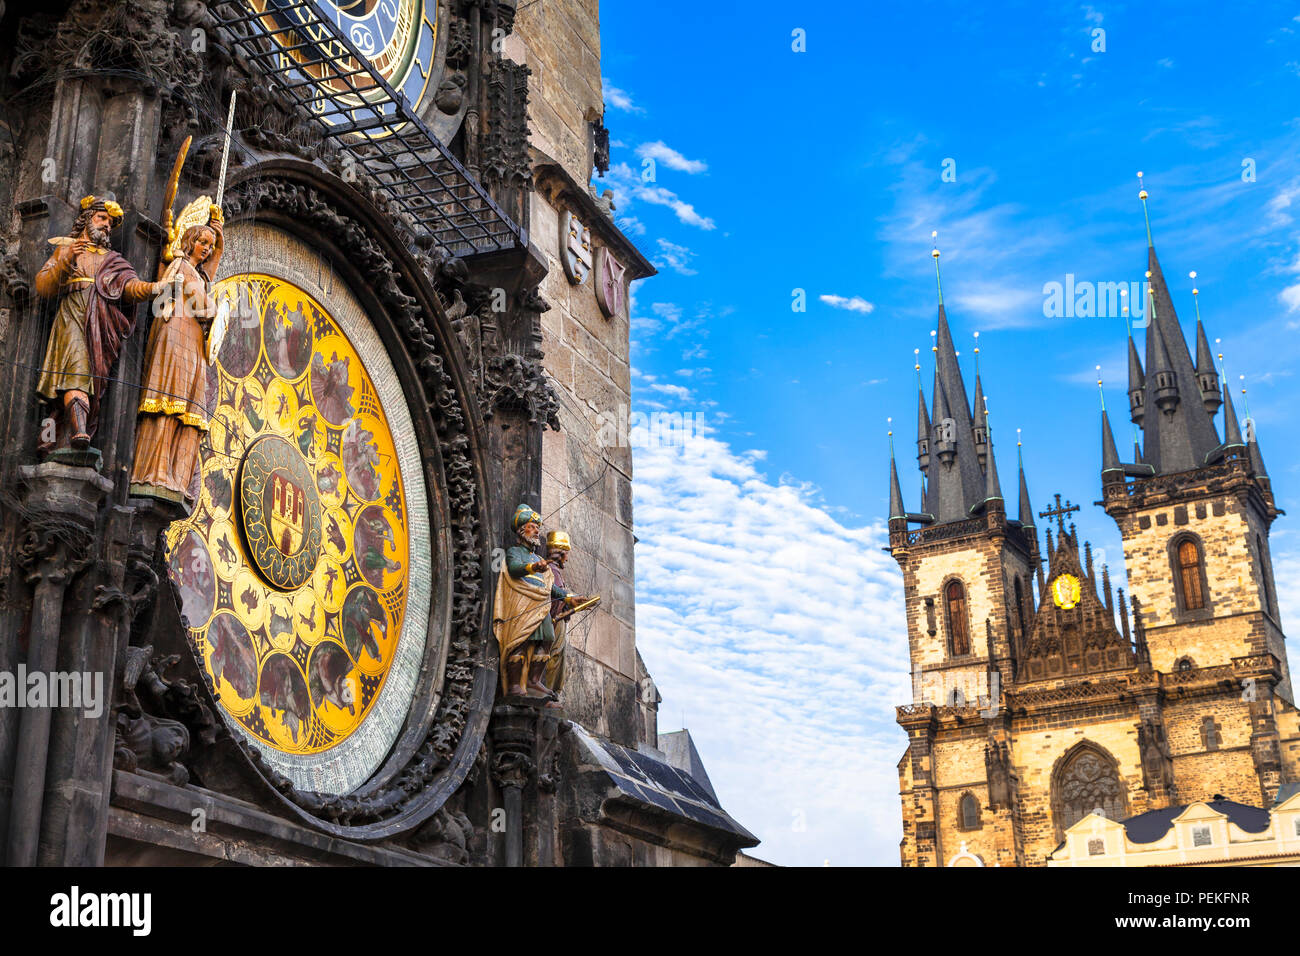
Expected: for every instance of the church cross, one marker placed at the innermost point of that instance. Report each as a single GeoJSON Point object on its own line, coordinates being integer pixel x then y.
{"type": "Point", "coordinates": [1059, 513]}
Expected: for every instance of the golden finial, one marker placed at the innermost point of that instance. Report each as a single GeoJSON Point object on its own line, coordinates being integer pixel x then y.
{"type": "Point", "coordinates": [1195, 295]}
{"type": "Point", "coordinates": [1222, 367]}
{"type": "Point", "coordinates": [1100, 390]}
{"type": "Point", "coordinates": [1142, 194]}
{"type": "Point", "coordinates": [934, 346]}
{"type": "Point", "coordinates": [935, 252]}
{"type": "Point", "coordinates": [1245, 402]}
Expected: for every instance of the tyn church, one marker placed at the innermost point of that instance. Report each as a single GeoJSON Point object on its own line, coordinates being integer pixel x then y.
{"type": "Point", "coordinates": [1036, 706]}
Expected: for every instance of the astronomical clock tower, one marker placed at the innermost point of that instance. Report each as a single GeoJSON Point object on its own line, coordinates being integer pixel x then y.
{"type": "Point", "coordinates": [285, 413]}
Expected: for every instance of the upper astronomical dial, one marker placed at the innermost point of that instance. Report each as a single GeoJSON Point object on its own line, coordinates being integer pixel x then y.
{"type": "Point", "coordinates": [397, 37]}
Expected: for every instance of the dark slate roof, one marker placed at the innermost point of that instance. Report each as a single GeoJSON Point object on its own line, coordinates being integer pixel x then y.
{"type": "Point", "coordinates": [655, 785]}
{"type": "Point", "coordinates": [679, 748]}
{"type": "Point", "coordinates": [955, 491]}
{"type": "Point", "coordinates": [1152, 825]}
{"type": "Point", "coordinates": [1178, 440]}
{"type": "Point", "coordinates": [1286, 792]}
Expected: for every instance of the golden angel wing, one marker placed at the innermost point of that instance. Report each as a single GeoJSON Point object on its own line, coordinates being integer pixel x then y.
{"type": "Point", "coordinates": [195, 214]}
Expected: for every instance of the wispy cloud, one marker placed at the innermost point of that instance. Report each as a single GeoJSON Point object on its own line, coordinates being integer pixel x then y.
{"type": "Point", "coordinates": [790, 701]}
{"type": "Point", "coordinates": [617, 98]}
{"type": "Point", "coordinates": [661, 152]}
{"type": "Point", "coordinates": [631, 188]}
{"type": "Point", "coordinates": [849, 304]}
{"type": "Point", "coordinates": [675, 257]}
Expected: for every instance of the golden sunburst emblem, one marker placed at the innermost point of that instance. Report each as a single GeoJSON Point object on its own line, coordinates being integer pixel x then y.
{"type": "Point", "coordinates": [1066, 591]}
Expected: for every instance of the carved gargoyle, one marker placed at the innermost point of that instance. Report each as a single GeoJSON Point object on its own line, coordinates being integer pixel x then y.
{"type": "Point", "coordinates": [158, 718]}
{"type": "Point", "coordinates": [445, 836]}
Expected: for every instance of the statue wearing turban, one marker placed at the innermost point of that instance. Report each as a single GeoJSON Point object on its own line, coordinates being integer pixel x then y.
{"type": "Point", "coordinates": [521, 611]}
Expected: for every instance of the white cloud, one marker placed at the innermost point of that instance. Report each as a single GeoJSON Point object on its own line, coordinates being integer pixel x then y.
{"type": "Point", "coordinates": [661, 152]}
{"type": "Point", "coordinates": [1166, 62]}
{"type": "Point", "coordinates": [673, 391]}
{"type": "Point", "coordinates": [853, 304]}
{"type": "Point", "coordinates": [777, 636]}
{"type": "Point", "coordinates": [676, 257]}
{"type": "Point", "coordinates": [618, 98]}
{"type": "Point", "coordinates": [630, 188]}
{"type": "Point", "coordinates": [631, 225]}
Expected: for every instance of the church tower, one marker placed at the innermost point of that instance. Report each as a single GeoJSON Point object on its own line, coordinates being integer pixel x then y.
{"type": "Point", "coordinates": [1194, 511]}
{"type": "Point", "coordinates": [968, 579]}
{"type": "Point", "coordinates": [1030, 716]}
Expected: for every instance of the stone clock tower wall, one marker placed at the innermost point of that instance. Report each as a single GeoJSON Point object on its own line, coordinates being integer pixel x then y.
{"type": "Point", "coordinates": [491, 366]}
{"type": "Point", "coordinates": [586, 482]}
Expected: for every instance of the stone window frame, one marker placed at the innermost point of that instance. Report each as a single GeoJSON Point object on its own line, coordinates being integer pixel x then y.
{"type": "Point", "coordinates": [1211, 734]}
{"type": "Point", "coordinates": [947, 618]}
{"type": "Point", "coordinates": [969, 799]}
{"type": "Point", "coordinates": [1057, 801]}
{"type": "Point", "coordinates": [1184, 663]}
{"type": "Point", "coordinates": [1182, 613]}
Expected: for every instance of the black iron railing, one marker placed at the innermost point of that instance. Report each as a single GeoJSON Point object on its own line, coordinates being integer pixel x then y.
{"type": "Point", "coordinates": [308, 61]}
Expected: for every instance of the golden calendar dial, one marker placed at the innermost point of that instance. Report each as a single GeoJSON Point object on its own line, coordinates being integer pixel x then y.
{"type": "Point", "coordinates": [294, 570]}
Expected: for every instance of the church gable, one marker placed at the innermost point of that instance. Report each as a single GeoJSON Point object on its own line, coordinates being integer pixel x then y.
{"type": "Point", "coordinates": [1072, 633]}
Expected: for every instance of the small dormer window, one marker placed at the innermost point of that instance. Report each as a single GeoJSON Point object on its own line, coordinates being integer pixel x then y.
{"type": "Point", "coordinates": [1201, 836]}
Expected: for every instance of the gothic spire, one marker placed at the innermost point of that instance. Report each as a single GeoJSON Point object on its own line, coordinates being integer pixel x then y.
{"type": "Point", "coordinates": [1207, 376]}
{"type": "Point", "coordinates": [1110, 464]}
{"type": "Point", "coordinates": [1137, 383]}
{"type": "Point", "coordinates": [980, 419]}
{"type": "Point", "coordinates": [1026, 509]}
{"type": "Point", "coordinates": [896, 509]}
{"type": "Point", "coordinates": [922, 422]}
{"type": "Point", "coordinates": [1231, 427]}
{"type": "Point", "coordinates": [956, 483]}
{"type": "Point", "coordinates": [992, 487]}
{"type": "Point", "coordinates": [1179, 430]}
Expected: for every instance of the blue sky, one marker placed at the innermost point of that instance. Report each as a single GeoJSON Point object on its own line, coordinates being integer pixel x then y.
{"type": "Point", "coordinates": [767, 613]}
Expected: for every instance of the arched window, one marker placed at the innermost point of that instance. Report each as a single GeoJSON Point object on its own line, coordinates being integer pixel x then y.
{"type": "Point", "coordinates": [968, 812]}
{"type": "Point", "coordinates": [1185, 664]}
{"type": "Point", "coordinates": [1086, 779]}
{"type": "Point", "coordinates": [958, 626]}
{"type": "Point", "coordinates": [1190, 575]}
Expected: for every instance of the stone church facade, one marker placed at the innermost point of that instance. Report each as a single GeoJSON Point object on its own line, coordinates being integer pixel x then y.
{"type": "Point", "coordinates": [1041, 693]}
{"type": "Point", "coordinates": [428, 308]}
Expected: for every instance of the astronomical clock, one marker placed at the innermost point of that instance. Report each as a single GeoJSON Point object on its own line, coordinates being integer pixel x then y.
{"type": "Point", "coordinates": [403, 40]}
{"type": "Point", "coordinates": [303, 572]}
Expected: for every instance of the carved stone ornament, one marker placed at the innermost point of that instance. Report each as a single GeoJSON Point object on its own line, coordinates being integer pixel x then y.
{"type": "Point", "coordinates": [575, 248]}
{"type": "Point", "coordinates": [611, 292]}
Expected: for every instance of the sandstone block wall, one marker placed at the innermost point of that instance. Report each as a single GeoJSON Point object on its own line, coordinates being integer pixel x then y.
{"type": "Point", "coordinates": [586, 482]}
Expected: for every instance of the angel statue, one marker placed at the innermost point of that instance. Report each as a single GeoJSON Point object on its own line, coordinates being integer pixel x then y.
{"type": "Point", "coordinates": [173, 411]}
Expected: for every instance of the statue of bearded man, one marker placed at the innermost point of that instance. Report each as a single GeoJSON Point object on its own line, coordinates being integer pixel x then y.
{"type": "Point", "coordinates": [96, 289]}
